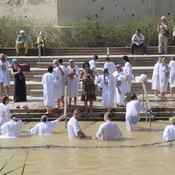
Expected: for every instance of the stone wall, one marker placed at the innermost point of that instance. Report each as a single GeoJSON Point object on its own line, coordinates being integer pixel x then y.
{"type": "Point", "coordinates": [65, 11]}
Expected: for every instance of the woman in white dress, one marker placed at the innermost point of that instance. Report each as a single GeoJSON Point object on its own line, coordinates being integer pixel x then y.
{"type": "Point", "coordinates": [4, 74]}
{"type": "Point", "coordinates": [128, 73]}
{"type": "Point", "coordinates": [172, 76]}
{"type": "Point", "coordinates": [121, 88]}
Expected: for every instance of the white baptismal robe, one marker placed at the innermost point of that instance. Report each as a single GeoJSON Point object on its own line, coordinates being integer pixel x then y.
{"type": "Point", "coordinates": [172, 73]}
{"type": "Point", "coordinates": [155, 77]}
{"type": "Point", "coordinates": [48, 82]}
{"type": "Point", "coordinates": [119, 98]}
{"type": "Point", "coordinates": [4, 74]}
{"type": "Point", "coordinates": [169, 133]}
{"type": "Point", "coordinates": [11, 128]}
{"type": "Point", "coordinates": [163, 77]}
{"type": "Point", "coordinates": [108, 85]}
{"type": "Point", "coordinates": [4, 112]}
{"type": "Point", "coordinates": [73, 128]}
{"type": "Point", "coordinates": [58, 83]}
{"type": "Point", "coordinates": [128, 71]}
{"type": "Point", "coordinates": [73, 84]}
{"type": "Point", "coordinates": [132, 114]}
{"type": "Point", "coordinates": [92, 64]}
{"type": "Point", "coordinates": [109, 131]}
{"type": "Point", "coordinates": [111, 67]}
{"type": "Point", "coordinates": [45, 128]}
{"type": "Point", "coordinates": [64, 78]}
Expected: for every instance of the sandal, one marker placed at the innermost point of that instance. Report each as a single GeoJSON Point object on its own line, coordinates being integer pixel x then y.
{"type": "Point", "coordinates": [25, 107]}
{"type": "Point", "coordinates": [18, 107]}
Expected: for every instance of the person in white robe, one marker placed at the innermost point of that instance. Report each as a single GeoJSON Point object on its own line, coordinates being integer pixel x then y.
{"type": "Point", "coordinates": [5, 64]}
{"type": "Point", "coordinates": [58, 72]}
{"type": "Point", "coordinates": [109, 65]}
{"type": "Point", "coordinates": [164, 72]}
{"type": "Point", "coordinates": [172, 75]}
{"type": "Point", "coordinates": [12, 128]}
{"type": "Point", "coordinates": [4, 110]}
{"type": "Point", "coordinates": [108, 85]}
{"type": "Point", "coordinates": [74, 129]}
{"type": "Point", "coordinates": [121, 88]}
{"type": "Point", "coordinates": [108, 130]}
{"type": "Point", "coordinates": [169, 131]}
{"type": "Point", "coordinates": [48, 82]}
{"type": "Point", "coordinates": [73, 84]}
{"type": "Point", "coordinates": [155, 78]}
{"type": "Point", "coordinates": [128, 73]}
{"type": "Point", "coordinates": [132, 113]}
{"type": "Point", "coordinates": [64, 79]}
{"type": "Point", "coordinates": [92, 63]}
{"type": "Point", "coordinates": [45, 127]}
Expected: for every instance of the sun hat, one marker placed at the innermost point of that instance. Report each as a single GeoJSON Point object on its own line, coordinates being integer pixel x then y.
{"type": "Point", "coordinates": [21, 31]}
{"type": "Point", "coordinates": [163, 17]}
{"type": "Point", "coordinates": [71, 60]}
{"type": "Point", "coordinates": [105, 70]}
{"type": "Point", "coordinates": [14, 60]}
{"type": "Point", "coordinates": [41, 33]}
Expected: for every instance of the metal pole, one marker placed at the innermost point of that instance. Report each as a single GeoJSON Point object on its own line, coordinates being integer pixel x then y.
{"type": "Point", "coordinates": [39, 52]}
{"type": "Point", "coordinates": [107, 51]}
{"type": "Point", "coordinates": [65, 104]}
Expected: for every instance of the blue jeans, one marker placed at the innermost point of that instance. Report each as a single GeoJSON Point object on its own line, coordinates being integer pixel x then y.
{"type": "Point", "coordinates": [134, 45]}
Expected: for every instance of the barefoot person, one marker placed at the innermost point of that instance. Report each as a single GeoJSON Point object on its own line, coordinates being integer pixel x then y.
{"type": "Point", "coordinates": [155, 78]}
{"type": "Point", "coordinates": [108, 130]}
{"type": "Point", "coordinates": [88, 88]}
{"type": "Point", "coordinates": [108, 85]}
{"type": "Point", "coordinates": [172, 76]}
{"type": "Point", "coordinates": [12, 128]}
{"type": "Point", "coordinates": [169, 132]}
{"type": "Point", "coordinates": [45, 127]}
{"type": "Point", "coordinates": [132, 113]}
{"type": "Point", "coordinates": [48, 82]}
{"type": "Point", "coordinates": [164, 77]}
{"type": "Point", "coordinates": [59, 86]}
{"type": "Point", "coordinates": [73, 85]}
{"type": "Point", "coordinates": [74, 129]}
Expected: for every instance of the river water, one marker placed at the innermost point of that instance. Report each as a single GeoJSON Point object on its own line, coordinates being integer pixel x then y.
{"type": "Point", "coordinates": [92, 160]}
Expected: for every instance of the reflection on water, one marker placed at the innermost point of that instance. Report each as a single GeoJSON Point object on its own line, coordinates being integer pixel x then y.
{"type": "Point", "coordinates": [125, 161]}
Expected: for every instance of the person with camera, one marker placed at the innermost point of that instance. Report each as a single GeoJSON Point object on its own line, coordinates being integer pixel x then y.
{"type": "Point", "coordinates": [19, 82]}
{"type": "Point", "coordinates": [164, 35]}
{"type": "Point", "coordinates": [87, 78]}
{"type": "Point", "coordinates": [41, 43]}
{"type": "Point", "coordinates": [12, 128]}
{"type": "Point", "coordinates": [22, 42]}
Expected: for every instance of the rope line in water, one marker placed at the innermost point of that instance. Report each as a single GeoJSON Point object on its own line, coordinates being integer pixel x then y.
{"type": "Point", "coordinates": [158, 144]}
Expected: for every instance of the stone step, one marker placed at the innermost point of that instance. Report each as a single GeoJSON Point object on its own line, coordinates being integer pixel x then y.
{"type": "Point", "coordinates": [85, 50]}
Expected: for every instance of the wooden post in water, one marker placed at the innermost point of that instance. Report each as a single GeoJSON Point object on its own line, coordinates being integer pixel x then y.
{"type": "Point", "coordinates": [148, 104]}
{"type": "Point", "coordinates": [65, 104]}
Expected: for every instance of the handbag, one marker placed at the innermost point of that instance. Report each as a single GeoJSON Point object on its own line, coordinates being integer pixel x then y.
{"type": "Point", "coordinates": [174, 33]}
{"type": "Point", "coordinates": [166, 33]}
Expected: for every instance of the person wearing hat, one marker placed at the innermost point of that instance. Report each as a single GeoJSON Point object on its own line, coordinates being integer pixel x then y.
{"type": "Point", "coordinates": [164, 35]}
{"type": "Point", "coordinates": [108, 84]}
{"type": "Point", "coordinates": [169, 131]}
{"type": "Point", "coordinates": [19, 82]}
{"type": "Point", "coordinates": [21, 42]}
{"type": "Point", "coordinates": [45, 127]}
{"type": "Point", "coordinates": [72, 82]}
{"type": "Point", "coordinates": [41, 43]}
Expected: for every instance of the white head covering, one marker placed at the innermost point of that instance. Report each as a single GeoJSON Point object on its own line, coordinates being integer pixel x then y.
{"type": "Point", "coordinates": [21, 31]}
{"type": "Point", "coordinates": [71, 60]}
{"type": "Point", "coordinates": [163, 17]}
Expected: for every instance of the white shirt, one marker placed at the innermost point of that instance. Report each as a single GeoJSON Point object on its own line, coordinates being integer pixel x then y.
{"type": "Point", "coordinates": [109, 131]}
{"type": "Point", "coordinates": [4, 112]}
{"type": "Point", "coordinates": [12, 128]}
{"type": "Point", "coordinates": [111, 67]}
{"type": "Point", "coordinates": [45, 128]}
{"type": "Point", "coordinates": [73, 128]}
{"type": "Point", "coordinates": [138, 39]}
{"type": "Point", "coordinates": [92, 64]}
{"type": "Point", "coordinates": [169, 133]}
